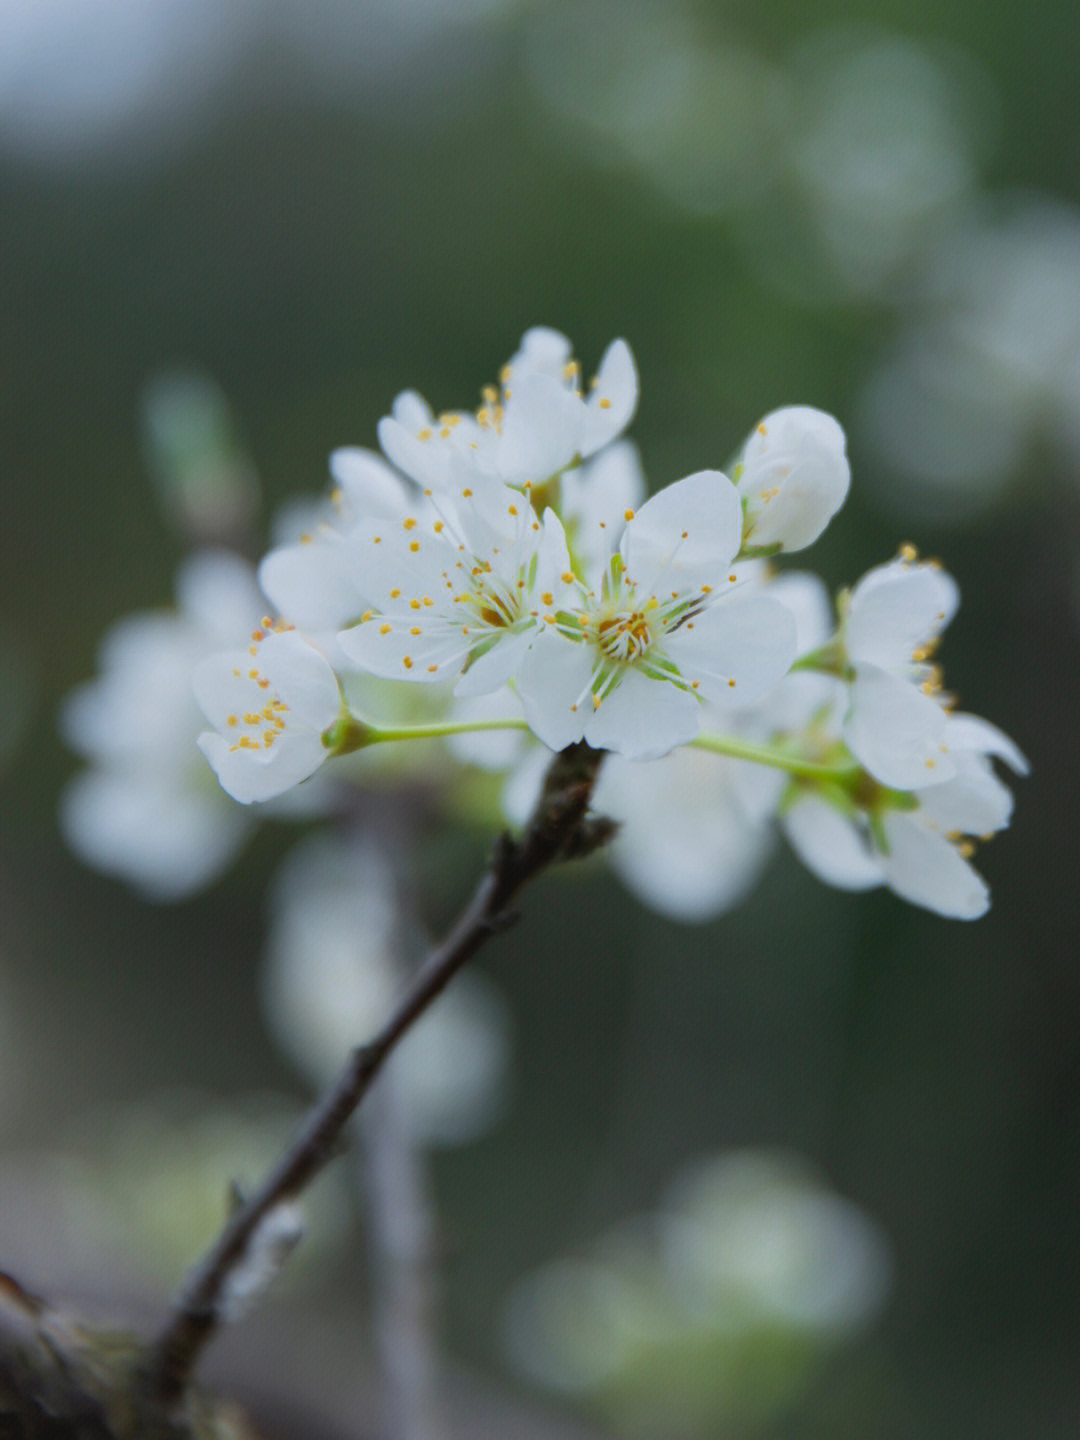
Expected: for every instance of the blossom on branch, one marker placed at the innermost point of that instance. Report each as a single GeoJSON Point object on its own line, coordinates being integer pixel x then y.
{"type": "Point", "coordinates": [793, 476]}
{"type": "Point", "coordinates": [270, 706]}
{"type": "Point", "coordinates": [538, 420]}
{"type": "Point", "coordinates": [660, 630]}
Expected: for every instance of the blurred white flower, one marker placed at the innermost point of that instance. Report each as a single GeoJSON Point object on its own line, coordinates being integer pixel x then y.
{"type": "Point", "coordinates": [987, 366]}
{"type": "Point", "coordinates": [148, 809]}
{"type": "Point", "coordinates": [130, 1194]}
{"type": "Point", "coordinates": [665, 1322]}
{"type": "Point", "coordinates": [113, 80]}
{"type": "Point", "coordinates": [335, 968]}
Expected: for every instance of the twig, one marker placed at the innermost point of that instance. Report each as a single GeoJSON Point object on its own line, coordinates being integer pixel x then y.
{"type": "Point", "coordinates": [557, 829]}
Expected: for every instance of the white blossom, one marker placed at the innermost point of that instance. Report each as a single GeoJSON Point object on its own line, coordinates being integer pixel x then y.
{"type": "Point", "coordinates": [147, 809]}
{"type": "Point", "coordinates": [897, 714]}
{"type": "Point", "coordinates": [917, 843]}
{"type": "Point", "coordinates": [660, 630]}
{"type": "Point", "coordinates": [457, 592]}
{"type": "Point", "coordinates": [312, 577]}
{"type": "Point", "coordinates": [793, 476]}
{"type": "Point", "coordinates": [270, 706]}
{"type": "Point", "coordinates": [537, 421]}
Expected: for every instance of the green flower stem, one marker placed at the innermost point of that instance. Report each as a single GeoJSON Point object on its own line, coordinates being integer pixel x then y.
{"type": "Point", "coordinates": [778, 757]}
{"type": "Point", "coordinates": [440, 728]}
{"type": "Point", "coordinates": [355, 734]}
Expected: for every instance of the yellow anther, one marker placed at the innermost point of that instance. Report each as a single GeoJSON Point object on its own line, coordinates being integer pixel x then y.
{"type": "Point", "coordinates": [395, 594]}
{"type": "Point", "coordinates": [605, 403]}
{"type": "Point", "coordinates": [414, 546]}
{"type": "Point", "coordinates": [409, 523]}
{"type": "Point", "coordinates": [406, 660]}
{"type": "Point", "coordinates": [424, 434]}
{"type": "Point", "coordinates": [385, 628]}
{"type": "Point", "coordinates": [628, 514]}
{"type": "Point", "coordinates": [415, 630]}
{"type": "Point", "coordinates": [908, 552]}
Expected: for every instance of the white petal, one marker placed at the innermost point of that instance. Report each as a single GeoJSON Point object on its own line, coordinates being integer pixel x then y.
{"type": "Point", "coordinates": [428, 462]}
{"type": "Point", "coordinates": [313, 585]}
{"type": "Point", "coordinates": [616, 384]}
{"type": "Point", "coordinates": [895, 610]}
{"type": "Point", "coordinates": [249, 775]}
{"type": "Point", "coordinates": [928, 870]}
{"type": "Point", "coordinates": [971, 732]}
{"type": "Point", "coordinates": [751, 642]}
{"type": "Point", "coordinates": [807, 597]}
{"type": "Point", "coordinates": [643, 718]}
{"type": "Point", "coordinates": [689, 529]}
{"type": "Point", "coordinates": [831, 845]}
{"type": "Point", "coordinates": [412, 410]}
{"type": "Point", "coordinates": [542, 351]}
{"type": "Point", "coordinates": [595, 498]}
{"type": "Point", "coordinates": [303, 677]}
{"type": "Point", "coordinates": [553, 679]}
{"type": "Point", "coordinates": [897, 732]}
{"type": "Point", "coordinates": [685, 846]}
{"type": "Point", "coordinates": [795, 476]}
{"type": "Point", "coordinates": [973, 802]}
{"type": "Point", "coordinates": [541, 430]}
{"type": "Point", "coordinates": [371, 488]}
{"type": "Point", "coordinates": [492, 670]}
{"type": "Point", "coordinates": [388, 649]}
{"type": "Point", "coordinates": [219, 591]}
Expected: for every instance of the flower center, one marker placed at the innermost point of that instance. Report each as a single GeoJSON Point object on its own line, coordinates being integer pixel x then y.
{"type": "Point", "coordinates": [624, 636]}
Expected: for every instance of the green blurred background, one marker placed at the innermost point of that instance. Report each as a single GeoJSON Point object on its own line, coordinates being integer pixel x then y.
{"type": "Point", "coordinates": [872, 209]}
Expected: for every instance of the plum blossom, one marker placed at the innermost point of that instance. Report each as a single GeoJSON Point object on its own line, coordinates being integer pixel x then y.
{"type": "Point", "coordinates": [147, 809]}
{"type": "Point", "coordinates": [793, 476]}
{"type": "Point", "coordinates": [270, 706]}
{"type": "Point", "coordinates": [917, 842]}
{"type": "Point", "coordinates": [312, 577]}
{"type": "Point", "coordinates": [457, 590]}
{"type": "Point", "coordinates": [897, 715]}
{"type": "Point", "coordinates": [658, 632]}
{"type": "Point", "coordinates": [530, 427]}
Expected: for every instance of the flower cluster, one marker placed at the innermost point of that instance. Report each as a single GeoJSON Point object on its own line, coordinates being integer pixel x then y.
{"type": "Point", "coordinates": [508, 565]}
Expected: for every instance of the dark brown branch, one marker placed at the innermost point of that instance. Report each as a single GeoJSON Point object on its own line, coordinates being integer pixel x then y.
{"type": "Point", "coordinates": [558, 828]}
